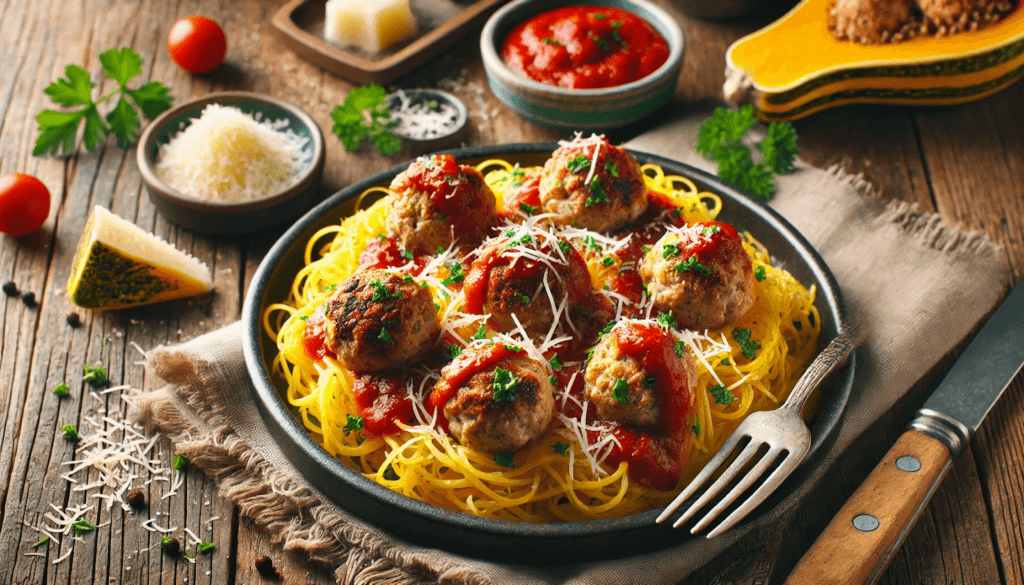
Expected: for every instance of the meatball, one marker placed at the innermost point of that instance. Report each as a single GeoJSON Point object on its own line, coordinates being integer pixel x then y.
{"type": "Point", "coordinates": [700, 273]}
{"type": "Point", "coordinates": [631, 371]}
{"type": "Point", "coordinates": [869, 21]}
{"type": "Point", "coordinates": [614, 195]}
{"type": "Point", "coordinates": [500, 399]}
{"type": "Point", "coordinates": [378, 320]}
{"type": "Point", "coordinates": [508, 277]}
{"type": "Point", "coordinates": [437, 200]}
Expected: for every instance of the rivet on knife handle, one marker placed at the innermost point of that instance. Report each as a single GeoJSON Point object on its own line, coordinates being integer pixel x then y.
{"type": "Point", "coordinates": [859, 543]}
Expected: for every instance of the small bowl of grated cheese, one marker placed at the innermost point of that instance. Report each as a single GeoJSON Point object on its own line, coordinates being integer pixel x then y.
{"type": "Point", "coordinates": [428, 120]}
{"type": "Point", "coordinates": [232, 163]}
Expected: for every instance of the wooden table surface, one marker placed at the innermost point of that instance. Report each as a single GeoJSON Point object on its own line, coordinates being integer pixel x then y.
{"type": "Point", "coordinates": [966, 162]}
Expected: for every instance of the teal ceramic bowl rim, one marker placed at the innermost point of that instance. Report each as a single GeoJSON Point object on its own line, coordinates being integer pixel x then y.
{"type": "Point", "coordinates": [166, 124]}
{"type": "Point", "coordinates": [502, 22]}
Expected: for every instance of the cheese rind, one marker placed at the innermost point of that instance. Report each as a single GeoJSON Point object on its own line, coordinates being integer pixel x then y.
{"type": "Point", "coordinates": [370, 26]}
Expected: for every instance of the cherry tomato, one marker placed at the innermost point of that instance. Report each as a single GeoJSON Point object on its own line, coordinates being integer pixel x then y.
{"type": "Point", "coordinates": [24, 204]}
{"type": "Point", "coordinates": [197, 44]}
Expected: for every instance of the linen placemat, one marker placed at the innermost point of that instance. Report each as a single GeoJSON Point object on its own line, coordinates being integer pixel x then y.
{"type": "Point", "coordinates": [920, 285]}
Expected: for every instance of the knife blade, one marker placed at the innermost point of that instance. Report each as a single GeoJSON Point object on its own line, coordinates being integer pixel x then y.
{"type": "Point", "coordinates": [860, 541]}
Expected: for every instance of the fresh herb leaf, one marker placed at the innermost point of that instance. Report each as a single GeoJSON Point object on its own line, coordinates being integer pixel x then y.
{"type": "Point", "coordinates": [552, 41]}
{"type": "Point", "coordinates": [607, 328]}
{"type": "Point", "coordinates": [696, 427]}
{"type": "Point", "coordinates": [612, 168]}
{"type": "Point", "coordinates": [82, 527]}
{"type": "Point", "coordinates": [505, 459]}
{"type": "Point", "coordinates": [480, 334]}
{"type": "Point", "coordinates": [759, 274]}
{"type": "Point", "coordinates": [166, 541]}
{"type": "Point", "coordinates": [407, 254]}
{"type": "Point", "coordinates": [456, 274]}
{"type": "Point", "coordinates": [564, 246]}
{"type": "Point", "coordinates": [352, 423]}
{"type": "Point", "coordinates": [710, 230]}
{"type": "Point", "coordinates": [95, 376]}
{"type": "Point", "coordinates": [668, 320]}
{"type": "Point", "coordinates": [180, 462]}
{"type": "Point", "coordinates": [152, 98]}
{"type": "Point", "coordinates": [454, 350]}
{"type": "Point", "coordinates": [561, 448]}
{"type": "Point", "coordinates": [385, 336]}
{"type": "Point", "coordinates": [528, 209]}
{"type": "Point", "coordinates": [620, 391]}
{"type": "Point", "coordinates": [61, 389]}
{"type": "Point", "coordinates": [726, 362]}
{"type": "Point", "coordinates": [600, 42]}
{"type": "Point", "coordinates": [578, 164]}
{"type": "Point", "coordinates": [779, 148]}
{"type": "Point", "coordinates": [553, 381]}
{"type": "Point", "coordinates": [691, 264]}
{"type": "Point", "coordinates": [721, 394]}
{"type": "Point", "coordinates": [303, 317]}
{"type": "Point", "coordinates": [57, 132]}
{"type": "Point", "coordinates": [505, 385]}
{"type": "Point", "coordinates": [670, 251]}
{"type": "Point", "coordinates": [597, 194]}
{"type": "Point", "coordinates": [680, 348]}
{"type": "Point", "coordinates": [616, 25]}
{"type": "Point", "coordinates": [556, 364]}
{"type": "Point", "coordinates": [607, 261]}
{"type": "Point", "coordinates": [70, 432]}
{"type": "Point", "coordinates": [331, 287]}
{"type": "Point", "coordinates": [747, 345]}
{"type": "Point", "coordinates": [189, 555]}
{"type": "Point", "coordinates": [205, 547]}
{"type": "Point", "coordinates": [365, 116]}
{"type": "Point", "coordinates": [41, 542]}
{"type": "Point", "coordinates": [724, 127]}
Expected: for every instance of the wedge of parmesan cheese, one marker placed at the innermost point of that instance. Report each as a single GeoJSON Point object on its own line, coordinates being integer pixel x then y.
{"type": "Point", "coordinates": [370, 26]}
{"type": "Point", "coordinates": [118, 265]}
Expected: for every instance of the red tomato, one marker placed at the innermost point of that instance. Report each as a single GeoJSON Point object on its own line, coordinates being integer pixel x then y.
{"type": "Point", "coordinates": [24, 204]}
{"type": "Point", "coordinates": [197, 44]}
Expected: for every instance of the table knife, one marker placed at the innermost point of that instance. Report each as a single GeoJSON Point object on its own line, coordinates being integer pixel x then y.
{"type": "Point", "coordinates": [860, 541]}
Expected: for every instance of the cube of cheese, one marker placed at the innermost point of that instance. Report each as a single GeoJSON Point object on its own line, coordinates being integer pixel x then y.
{"type": "Point", "coordinates": [369, 25]}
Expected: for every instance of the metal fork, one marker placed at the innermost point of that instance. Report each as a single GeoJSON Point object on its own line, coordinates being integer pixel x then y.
{"type": "Point", "coordinates": [784, 432]}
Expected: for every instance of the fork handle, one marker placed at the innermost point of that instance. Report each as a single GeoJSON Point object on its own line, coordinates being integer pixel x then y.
{"type": "Point", "coordinates": [860, 541]}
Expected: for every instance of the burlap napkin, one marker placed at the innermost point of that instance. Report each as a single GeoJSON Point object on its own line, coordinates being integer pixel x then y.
{"type": "Point", "coordinates": [921, 285]}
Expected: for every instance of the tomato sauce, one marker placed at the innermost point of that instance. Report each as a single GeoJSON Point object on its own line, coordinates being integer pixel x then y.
{"type": "Point", "coordinates": [382, 402]}
{"type": "Point", "coordinates": [585, 47]}
{"type": "Point", "coordinates": [708, 250]}
{"type": "Point", "coordinates": [314, 337]}
{"type": "Point", "coordinates": [460, 371]}
{"type": "Point", "coordinates": [655, 456]}
{"type": "Point", "coordinates": [455, 191]}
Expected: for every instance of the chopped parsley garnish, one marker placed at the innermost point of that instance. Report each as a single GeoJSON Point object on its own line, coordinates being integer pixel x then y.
{"type": "Point", "coordinates": [680, 348]}
{"type": "Point", "coordinates": [528, 209]}
{"type": "Point", "coordinates": [556, 364]}
{"type": "Point", "coordinates": [691, 264]}
{"type": "Point", "coordinates": [616, 25]}
{"type": "Point", "coordinates": [553, 380]}
{"type": "Point", "coordinates": [561, 448]}
{"type": "Point", "coordinates": [512, 348]}
{"type": "Point", "coordinates": [385, 336]}
{"type": "Point", "coordinates": [365, 116]}
{"type": "Point", "coordinates": [61, 389]}
{"type": "Point", "coordinates": [480, 334]}
{"type": "Point", "coordinates": [70, 432]}
{"type": "Point", "coordinates": [180, 462]}
{"type": "Point", "coordinates": [597, 194]}
{"type": "Point", "coordinates": [454, 350]}
{"type": "Point", "coordinates": [82, 527]}
{"type": "Point", "coordinates": [721, 394]}
{"type": "Point", "coordinates": [601, 42]}
{"type": "Point", "coordinates": [612, 168]}
{"type": "Point", "coordinates": [578, 164]}
{"type": "Point", "coordinates": [596, 15]}
{"type": "Point", "coordinates": [591, 243]}
{"type": "Point", "coordinates": [747, 345]}
{"type": "Point", "coordinates": [205, 547]}
{"type": "Point", "coordinates": [696, 427]}
{"type": "Point", "coordinates": [504, 459]}
{"type": "Point", "coordinates": [352, 423]}
{"type": "Point", "coordinates": [607, 261]}
{"type": "Point", "coordinates": [676, 212]}
{"type": "Point", "coordinates": [438, 252]}
{"type": "Point", "coordinates": [552, 41]}
{"type": "Point", "coordinates": [407, 254]}
{"type": "Point", "coordinates": [455, 273]}
{"type": "Point", "coordinates": [620, 391]}
{"type": "Point", "coordinates": [523, 298]}
{"type": "Point", "coordinates": [726, 362]}
{"type": "Point", "coordinates": [382, 237]}
{"type": "Point", "coordinates": [303, 317]}
{"type": "Point", "coordinates": [380, 291]}
{"type": "Point", "coordinates": [650, 381]}
{"type": "Point", "coordinates": [407, 277]}
{"type": "Point", "coordinates": [95, 376]}
{"type": "Point", "coordinates": [608, 328]}
{"type": "Point", "coordinates": [41, 542]}
{"type": "Point", "coordinates": [504, 386]}
{"type": "Point", "coordinates": [670, 251]}
{"type": "Point", "coordinates": [710, 230]}
{"type": "Point", "coordinates": [331, 287]}
{"type": "Point", "coordinates": [189, 555]}
{"type": "Point", "coordinates": [759, 274]}
{"type": "Point", "coordinates": [668, 320]}
{"type": "Point", "coordinates": [564, 246]}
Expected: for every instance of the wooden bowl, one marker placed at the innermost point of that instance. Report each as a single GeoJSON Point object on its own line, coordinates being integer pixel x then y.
{"type": "Point", "coordinates": [222, 217]}
{"type": "Point", "coordinates": [580, 109]}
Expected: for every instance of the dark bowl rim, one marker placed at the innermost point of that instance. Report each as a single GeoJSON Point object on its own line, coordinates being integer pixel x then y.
{"type": "Point", "coordinates": [174, 197]}
{"type": "Point", "coordinates": [270, 404]}
{"type": "Point", "coordinates": [460, 107]}
{"type": "Point", "coordinates": [496, 66]}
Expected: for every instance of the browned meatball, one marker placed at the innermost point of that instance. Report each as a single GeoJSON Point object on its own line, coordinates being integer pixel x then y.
{"type": "Point", "coordinates": [507, 278]}
{"type": "Point", "coordinates": [436, 197]}
{"type": "Point", "coordinates": [495, 398]}
{"type": "Point", "coordinates": [702, 274]}
{"type": "Point", "coordinates": [632, 367]}
{"type": "Point", "coordinates": [377, 320]}
{"type": "Point", "coordinates": [614, 195]}
{"type": "Point", "coordinates": [869, 21]}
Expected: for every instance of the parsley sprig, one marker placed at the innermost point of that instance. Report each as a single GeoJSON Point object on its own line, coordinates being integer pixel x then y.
{"type": "Point", "coordinates": [57, 130]}
{"type": "Point", "coordinates": [720, 139]}
{"type": "Point", "coordinates": [365, 116]}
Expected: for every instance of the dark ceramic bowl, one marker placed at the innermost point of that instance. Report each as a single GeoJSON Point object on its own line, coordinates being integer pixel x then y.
{"type": "Point", "coordinates": [228, 218]}
{"type": "Point", "coordinates": [413, 146]}
{"type": "Point", "coordinates": [580, 109]}
{"type": "Point", "coordinates": [536, 544]}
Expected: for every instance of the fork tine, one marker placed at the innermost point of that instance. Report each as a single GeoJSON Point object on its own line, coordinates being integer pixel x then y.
{"type": "Point", "coordinates": [767, 488]}
{"type": "Point", "coordinates": [722, 481]}
{"type": "Point", "coordinates": [753, 475]}
{"type": "Point", "coordinates": [705, 474]}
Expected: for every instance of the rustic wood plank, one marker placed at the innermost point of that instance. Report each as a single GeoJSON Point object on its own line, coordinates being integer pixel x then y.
{"type": "Point", "coordinates": [295, 568]}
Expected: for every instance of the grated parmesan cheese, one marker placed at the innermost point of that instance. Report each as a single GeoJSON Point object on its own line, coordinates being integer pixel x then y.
{"type": "Point", "coordinates": [228, 155]}
{"type": "Point", "coordinates": [421, 118]}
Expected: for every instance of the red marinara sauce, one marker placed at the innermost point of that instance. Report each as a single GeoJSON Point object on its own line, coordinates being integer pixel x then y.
{"type": "Point", "coordinates": [457, 374]}
{"type": "Point", "coordinates": [382, 401]}
{"type": "Point", "coordinates": [655, 456]}
{"type": "Point", "coordinates": [585, 47]}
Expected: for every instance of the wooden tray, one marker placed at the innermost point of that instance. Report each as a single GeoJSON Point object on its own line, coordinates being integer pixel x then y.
{"type": "Point", "coordinates": [300, 24]}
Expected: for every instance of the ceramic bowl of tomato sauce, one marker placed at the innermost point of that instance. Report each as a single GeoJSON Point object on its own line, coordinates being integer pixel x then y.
{"type": "Point", "coordinates": [587, 65]}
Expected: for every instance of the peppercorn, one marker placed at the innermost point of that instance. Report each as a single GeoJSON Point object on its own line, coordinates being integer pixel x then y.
{"type": "Point", "coordinates": [29, 298]}
{"type": "Point", "coordinates": [73, 319]}
{"type": "Point", "coordinates": [136, 499]}
{"type": "Point", "coordinates": [10, 289]}
{"type": "Point", "coordinates": [265, 567]}
{"type": "Point", "coordinates": [170, 545]}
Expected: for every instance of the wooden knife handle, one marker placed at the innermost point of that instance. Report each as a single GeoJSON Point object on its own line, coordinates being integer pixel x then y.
{"type": "Point", "coordinates": [860, 541]}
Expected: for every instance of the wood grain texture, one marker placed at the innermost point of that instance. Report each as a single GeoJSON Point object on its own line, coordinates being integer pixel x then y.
{"type": "Point", "coordinates": [893, 499]}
